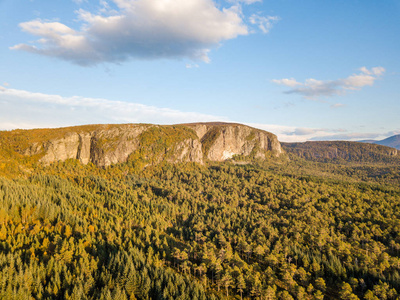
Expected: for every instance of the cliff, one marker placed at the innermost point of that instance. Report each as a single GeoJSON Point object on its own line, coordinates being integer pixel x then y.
{"type": "Point", "coordinates": [222, 141]}
{"type": "Point", "coordinates": [104, 145]}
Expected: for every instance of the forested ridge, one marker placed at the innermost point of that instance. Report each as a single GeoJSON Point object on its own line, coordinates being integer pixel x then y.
{"type": "Point", "coordinates": [343, 152]}
{"type": "Point", "coordinates": [278, 229]}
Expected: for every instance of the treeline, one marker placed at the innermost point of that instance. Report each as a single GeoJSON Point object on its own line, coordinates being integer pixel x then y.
{"type": "Point", "coordinates": [186, 231]}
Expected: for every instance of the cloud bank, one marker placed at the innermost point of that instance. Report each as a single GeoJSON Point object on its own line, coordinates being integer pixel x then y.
{"type": "Point", "coordinates": [314, 89]}
{"type": "Point", "coordinates": [293, 134]}
{"type": "Point", "coordinates": [141, 29]}
{"type": "Point", "coordinates": [24, 109]}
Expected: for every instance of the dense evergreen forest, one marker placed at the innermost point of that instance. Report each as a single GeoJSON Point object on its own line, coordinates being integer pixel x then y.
{"type": "Point", "coordinates": [281, 229]}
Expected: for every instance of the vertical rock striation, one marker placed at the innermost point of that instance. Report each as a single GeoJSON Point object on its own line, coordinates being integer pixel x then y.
{"type": "Point", "coordinates": [222, 141]}
{"type": "Point", "coordinates": [104, 145]}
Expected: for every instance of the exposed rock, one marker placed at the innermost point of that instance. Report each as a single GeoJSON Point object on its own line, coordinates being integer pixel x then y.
{"type": "Point", "coordinates": [114, 145]}
{"type": "Point", "coordinates": [33, 149]}
{"type": "Point", "coordinates": [221, 141]}
{"type": "Point", "coordinates": [188, 150]}
{"type": "Point", "coordinates": [104, 145]}
{"type": "Point", "coordinates": [61, 149]}
{"type": "Point", "coordinates": [85, 142]}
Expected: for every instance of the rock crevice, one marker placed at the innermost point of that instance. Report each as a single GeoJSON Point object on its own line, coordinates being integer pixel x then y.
{"type": "Point", "coordinates": [104, 145]}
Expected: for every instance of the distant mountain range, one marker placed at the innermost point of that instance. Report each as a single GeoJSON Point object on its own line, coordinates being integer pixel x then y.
{"type": "Point", "coordinates": [393, 141]}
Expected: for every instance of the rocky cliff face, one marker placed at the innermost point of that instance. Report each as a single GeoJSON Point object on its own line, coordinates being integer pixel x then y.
{"type": "Point", "coordinates": [104, 145]}
{"type": "Point", "coordinates": [222, 141]}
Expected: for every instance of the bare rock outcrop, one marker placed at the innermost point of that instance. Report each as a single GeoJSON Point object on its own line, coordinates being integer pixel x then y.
{"type": "Point", "coordinates": [112, 146]}
{"type": "Point", "coordinates": [222, 141]}
{"type": "Point", "coordinates": [188, 150]}
{"type": "Point", "coordinates": [104, 145]}
{"type": "Point", "coordinates": [61, 149]}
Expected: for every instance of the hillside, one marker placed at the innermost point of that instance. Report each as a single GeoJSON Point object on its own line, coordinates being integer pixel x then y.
{"type": "Point", "coordinates": [140, 211]}
{"type": "Point", "coordinates": [190, 231]}
{"type": "Point", "coordinates": [343, 152]}
{"type": "Point", "coordinates": [393, 141]}
{"type": "Point", "coordinates": [146, 144]}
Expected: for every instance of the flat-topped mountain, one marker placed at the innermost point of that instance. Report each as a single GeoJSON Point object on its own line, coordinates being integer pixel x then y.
{"type": "Point", "coordinates": [104, 145]}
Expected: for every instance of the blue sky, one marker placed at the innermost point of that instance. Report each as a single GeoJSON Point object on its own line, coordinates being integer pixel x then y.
{"type": "Point", "coordinates": [304, 70]}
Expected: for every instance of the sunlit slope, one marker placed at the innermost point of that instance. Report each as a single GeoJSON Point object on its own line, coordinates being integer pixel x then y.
{"type": "Point", "coordinates": [105, 145]}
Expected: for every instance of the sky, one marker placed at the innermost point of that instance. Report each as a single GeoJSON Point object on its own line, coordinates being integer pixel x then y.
{"type": "Point", "coordinates": [304, 70]}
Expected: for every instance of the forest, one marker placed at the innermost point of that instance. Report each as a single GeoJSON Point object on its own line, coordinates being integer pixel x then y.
{"type": "Point", "coordinates": [289, 228]}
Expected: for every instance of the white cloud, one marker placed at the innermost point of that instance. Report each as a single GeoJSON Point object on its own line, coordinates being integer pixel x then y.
{"type": "Point", "coordinates": [305, 131]}
{"type": "Point", "coordinates": [244, 1]}
{"type": "Point", "coordinates": [191, 66]}
{"type": "Point", "coordinates": [378, 71]}
{"type": "Point", "coordinates": [24, 109]}
{"type": "Point", "coordinates": [374, 71]}
{"type": "Point", "coordinates": [313, 89]}
{"type": "Point", "coordinates": [351, 136]}
{"type": "Point", "coordinates": [338, 105]}
{"type": "Point", "coordinates": [140, 29]}
{"type": "Point", "coordinates": [287, 81]}
{"type": "Point", "coordinates": [394, 132]}
{"type": "Point", "coordinates": [250, 1]}
{"type": "Point", "coordinates": [288, 134]}
{"type": "Point", "coordinates": [293, 134]}
{"type": "Point", "coordinates": [264, 23]}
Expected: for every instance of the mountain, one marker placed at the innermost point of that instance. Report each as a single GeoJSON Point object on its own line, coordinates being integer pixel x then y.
{"type": "Point", "coordinates": [104, 145]}
{"type": "Point", "coordinates": [342, 151]}
{"type": "Point", "coordinates": [393, 141]}
{"type": "Point", "coordinates": [222, 141]}
{"type": "Point", "coordinates": [313, 226]}
{"type": "Point", "coordinates": [367, 141]}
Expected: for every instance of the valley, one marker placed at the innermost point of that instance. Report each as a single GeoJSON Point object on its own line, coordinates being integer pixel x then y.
{"type": "Point", "coordinates": [161, 212]}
